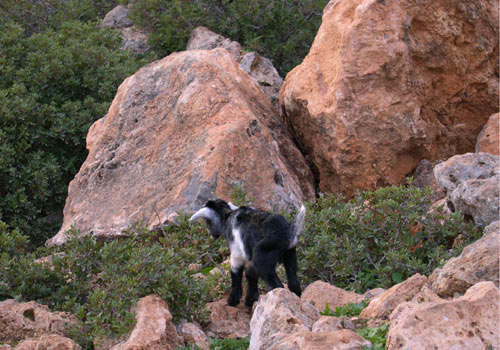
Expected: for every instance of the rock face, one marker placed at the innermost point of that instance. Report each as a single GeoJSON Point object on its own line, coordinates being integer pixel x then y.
{"type": "Point", "coordinates": [180, 131]}
{"type": "Point", "coordinates": [468, 322]}
{"type": "Point", "coordinates": [260, 68]}
{"type": "Point", "coordinates": [319, 293]}
{"type": "Point", "coordinates": [478, 262]}
{"type": "Point", "coordinates": [471, 184]}
{"type": "Point", "coordinates": [22, 320]}
{"type": "Point", "coordinates": [381, 306]}
{"type": "Point", "coordinates": [389, 83]}
{"type": "Point", "coordinates": [424, 177]}
{"type": "Point", "coordinates": [279, 314]}
{"type": "Point", "coordinates": [48, 342]}
{"type": "Point", "coordinates": [154, 329]}
{"type": "Point", "coordinates": [488, 140]}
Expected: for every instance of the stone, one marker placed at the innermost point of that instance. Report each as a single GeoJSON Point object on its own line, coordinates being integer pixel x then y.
{"type": "Point", "coordinates": [471, 184]}
{"type": "Point", "coordinates": [183, 130]}
{"type": "Point", "coordinates": [487, 140]}
{"type": "Point", "coordinates": [48, 342]}
{"type": "Point", "coordinates": [477, 262]}
{"type": "Point", "coordinates": [117, 18]}
{"type": "Point", "coordinates": [260, 68]}
{"type": "Point", "coordinates": [389, 83]}
{"type": "Point", "coordinates": [319, 293]}
{"type": "Point", "coordinates": [153, 329]}
{"type": "Point", "coordinates": [339, 340]}
{"type": "Point", "coordinates": [426, 294]}
{"type": "Point", "coordinates": [382, 305]}
{"type": "Point", "coordinates": [468, 322]}
{"type": "Point", "coordinates": [134, 40]}
{"type": "Point", "coordinates": [228, 321]}
{"type": "Point", "coordinates": [192, 334]}
{"type": "Point", "coordinates": [23, 320]}
{"type": "Point", "coordinates": [327, 324]}
{"type": "Point", "coordinates": [277, 315]}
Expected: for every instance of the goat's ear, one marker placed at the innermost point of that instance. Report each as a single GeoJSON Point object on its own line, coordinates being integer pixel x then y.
{"type": "Point", "coordinates": [206, 213]}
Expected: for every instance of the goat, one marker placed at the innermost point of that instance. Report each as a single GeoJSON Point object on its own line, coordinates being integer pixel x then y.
{"type": "Point", "coordinates": [258, 241]}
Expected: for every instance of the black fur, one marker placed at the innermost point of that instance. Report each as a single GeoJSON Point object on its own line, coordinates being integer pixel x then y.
{"type": "Point", "coordinates": [266, 239]}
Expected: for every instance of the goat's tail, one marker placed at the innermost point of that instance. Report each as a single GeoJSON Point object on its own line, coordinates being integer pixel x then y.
{"type": "Point", "coordinates": [298, 225]}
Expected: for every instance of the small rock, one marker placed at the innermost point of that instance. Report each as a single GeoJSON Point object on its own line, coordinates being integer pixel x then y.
{"type": "Point", "coordinates": [488, 141]}
{"type": "Point", "coordinates": [154, 329]}
{"type": "Point", "coordinates": [327, 324]}
{"type": "Point", "coordinates": [277, 315]}
{"type": "Point", "coordinates": [193, 334]}
{"type": "Point", "coordinates": [48, 342]}
{"type": "Point", "coordinates": [228, 321]}
{"type": "Point", "coordinates": [117, 18]}
{"type": "Point", "coordinates": [382, 305]}
{"type": "Point", "coordinates": [319, 293]}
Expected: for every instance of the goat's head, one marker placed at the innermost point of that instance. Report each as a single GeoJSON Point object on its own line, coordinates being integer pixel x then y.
{"type": "Point", "coordinates": [215, 214]}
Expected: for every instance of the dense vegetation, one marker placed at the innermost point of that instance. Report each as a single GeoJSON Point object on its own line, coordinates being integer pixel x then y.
{"type": "Point", "coordinates": [375, 240]}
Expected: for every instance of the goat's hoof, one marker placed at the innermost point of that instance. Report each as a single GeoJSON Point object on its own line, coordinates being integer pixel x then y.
{"type": "Point", "coordinates": [249, 302]}
{"type": "Point", "coordinates": [233, 301]}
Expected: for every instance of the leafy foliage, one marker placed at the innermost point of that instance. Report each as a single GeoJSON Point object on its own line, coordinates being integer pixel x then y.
{"type": "Point", "coordinates": [377, 336]}
{"type": "Point", "coordinates": [230, 344]}
{"type": "Point", "coordinates": [99, 281]}
{"type": "Point", "coordinates": [348, 310]}
{"type": "Point", "coordinates": [378, 239]}
{"type": "Point", "coordinates": [54, 85]}
{"type": "Point", "coordinates": [281, 30]}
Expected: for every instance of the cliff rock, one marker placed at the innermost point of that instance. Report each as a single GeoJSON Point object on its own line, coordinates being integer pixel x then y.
{"type": "Point", "coordinates": [389, 83]}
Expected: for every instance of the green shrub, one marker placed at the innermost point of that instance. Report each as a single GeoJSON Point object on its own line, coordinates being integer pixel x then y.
{"type": "Point", "coordinates": [230, 344]}
{"type": "Point", "coordinates": [376, 335]}
{"type": "Point", "coordinates": [377, 239]}
{"type": "Point", "coordinates": [99, 281]}
{"type": "Point", "coordinates": [54, 86]}
{"type": "Point", "coordinates": [348, 310]}
{"type": "Point", "coordinates": [281, 30]}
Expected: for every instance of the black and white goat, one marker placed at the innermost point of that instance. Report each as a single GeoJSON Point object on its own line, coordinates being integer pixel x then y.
{"type": "Point", "coordinates": [258, 241]}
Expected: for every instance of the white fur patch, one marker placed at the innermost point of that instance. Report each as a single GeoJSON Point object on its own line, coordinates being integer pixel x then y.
{"type": "Point", "coordinates": [204, 212]}
{"type": "Point", "coordinates": [238, 256]}
{"type": "Point", "coordinates": [232, 206]}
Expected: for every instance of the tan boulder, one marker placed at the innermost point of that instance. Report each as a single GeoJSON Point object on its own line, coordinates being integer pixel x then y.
{"type": "Point", "coordinates": [277, 315]}
{"type": "Point", "coordinates": [228, 321]}
{"type": "Point", "coordinates": [23, 320]}
{"type": "Point", "coordinates": [193, 334]}
{"type": "Point", "coordinates": [319, 293]}
{"type": "Point", "coordinates": [48, 342]}
{"type": "Point", "coordinates": [389, 83]}
{"type": "Point", "coordinates": [344, 339]}
{"type": "Point", "coordinates": [180, 131]}
{"type": "Point", "coordinates": [382, 305]}
{"type": "Point", "coordinates": [153, 329]}
{"type": "Point", "coordinates": [477, 262]}
{"type": "Point", "coordinates": [117, 18]}
{"type": "Point", "coordinates": [488, 140]}
{"type": "Point", "coordinates": [259, 68]}
{"type": "Point", "coordinates": [468, 322]}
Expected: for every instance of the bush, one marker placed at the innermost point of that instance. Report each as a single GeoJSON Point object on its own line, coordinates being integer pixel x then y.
{"type": "Point", "coordinates": [281, 30]}
{"type": "Point", "coordinates": [378, 238]}
{"type": "Point", "coordinates": [54, 86]}
{"type": "Point", "coordinates": [98, 282]}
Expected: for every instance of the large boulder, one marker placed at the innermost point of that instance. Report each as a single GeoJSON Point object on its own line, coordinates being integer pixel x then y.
{"type": "Point", "coordinates": [19, 321]}
{"type": "Point", "coordinates": [471, 184]}
{"type": "Point", "coordinates": [478, 262]}
{"type": "Point", "coordinates": [488, 140]}
{"type": "Point", "coordinates": [320, 293]}
{"type": "Point", "coordinates": [153, 329]}
{"type": "Point", "coordinates": [468, 322]}
{"type": "Point", "coordinates": [180, 131]}
{"type": "Point", "coordinates": [277, 315]}
{"type": "Point", "coordinates": [260, 68]}
{"type": "Point", "coordinates": [389, 83]}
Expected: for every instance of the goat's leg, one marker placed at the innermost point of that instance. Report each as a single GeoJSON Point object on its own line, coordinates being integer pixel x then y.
{"type": "Point", "coordinates": [253, 286]}
{"type": "Point", "coordinates": [291, 268]}
{"type": "Point", "coordinates": [265, 261]}
{"type": "Point", "coordinates": [236, 291]}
